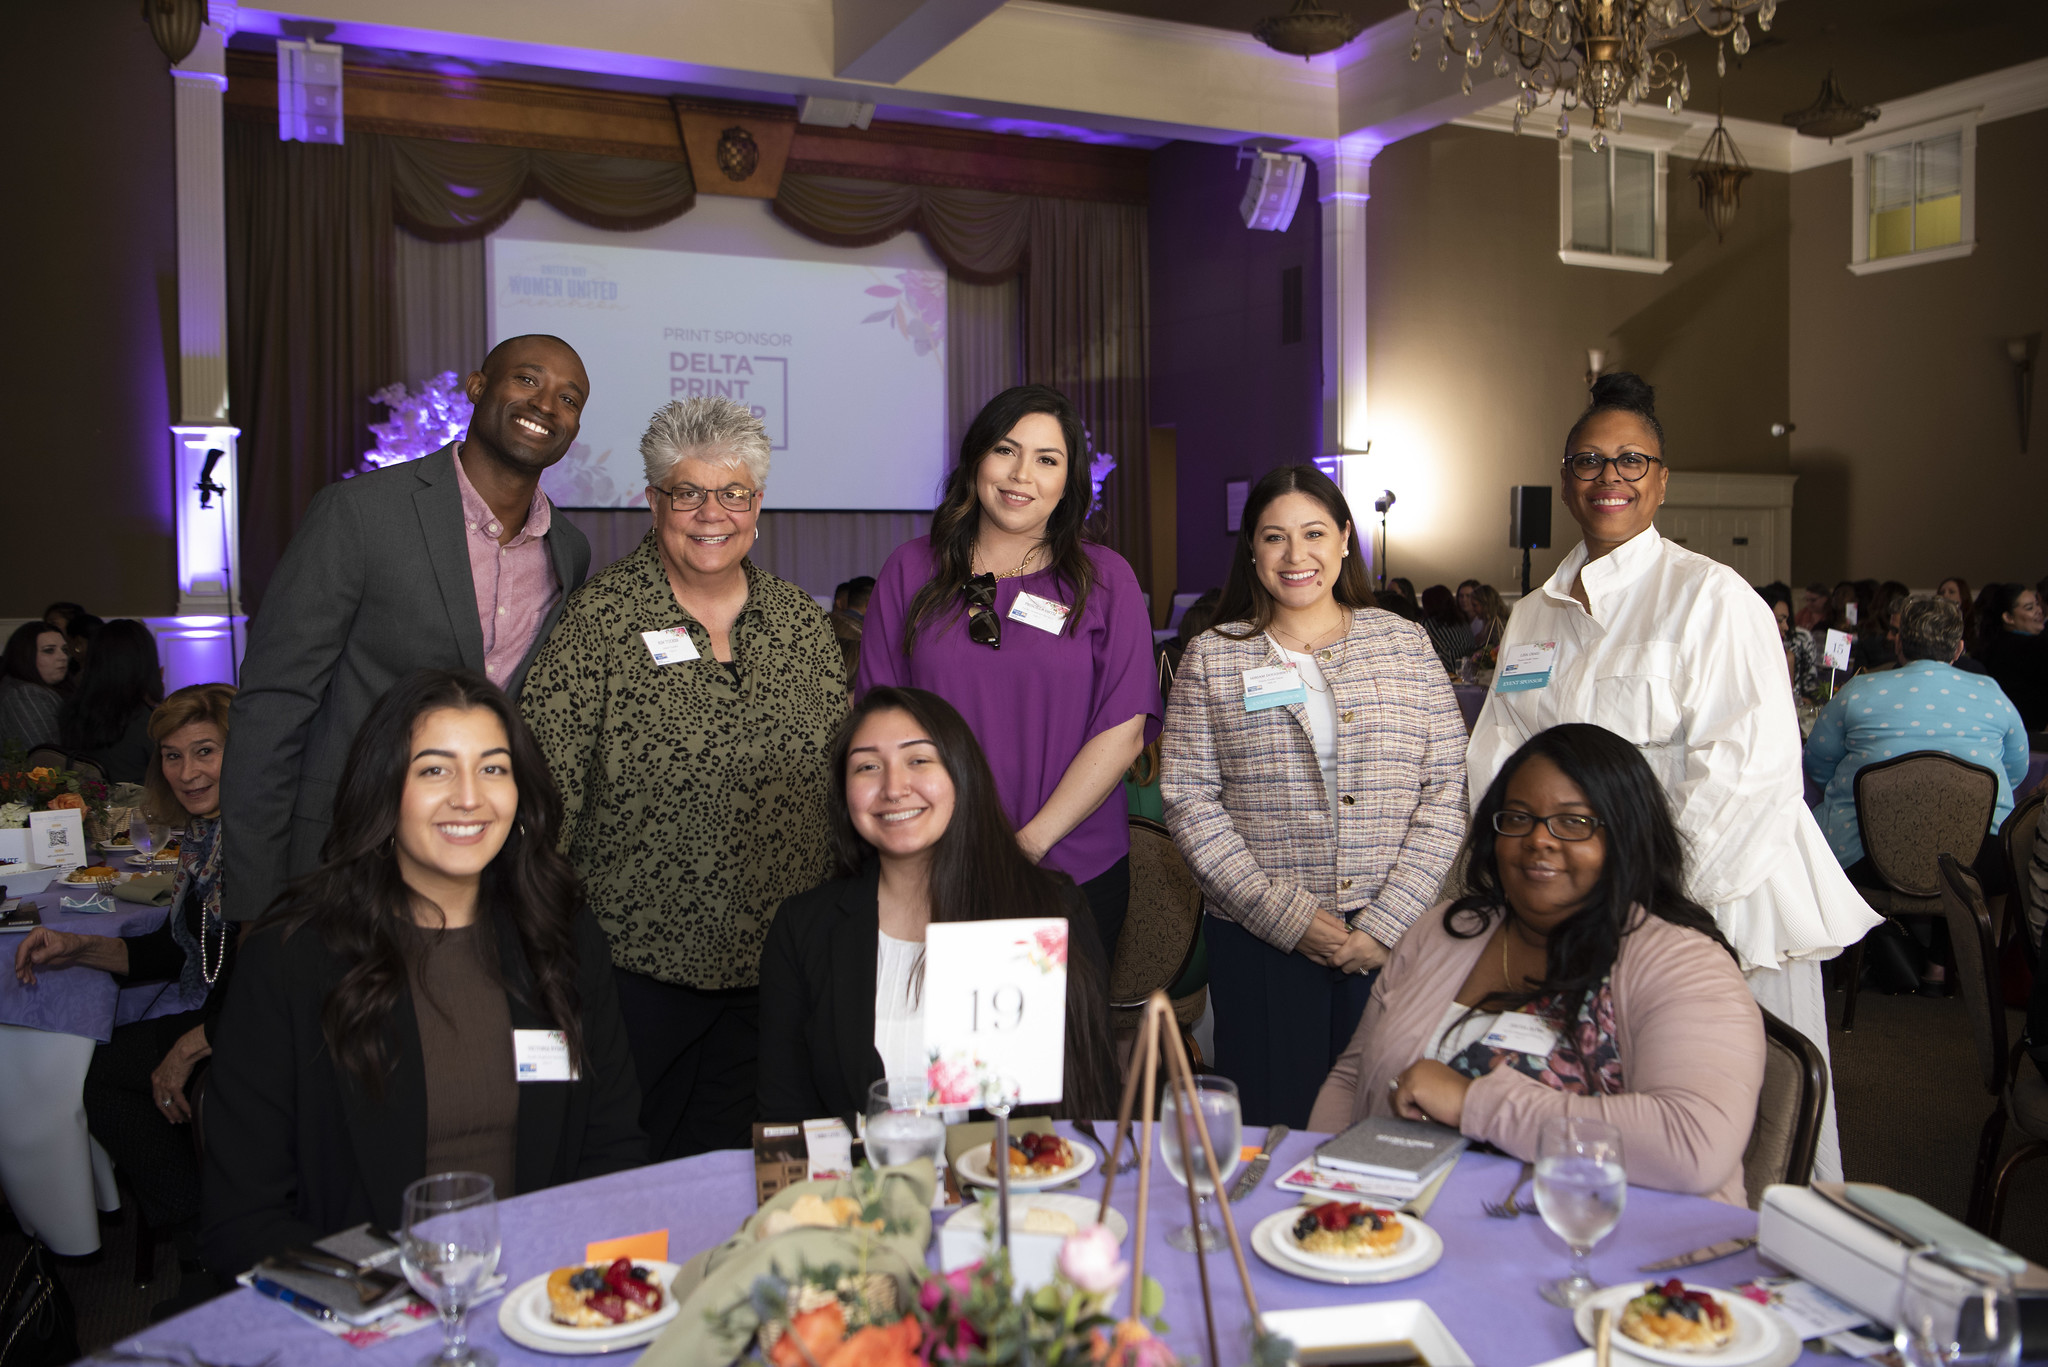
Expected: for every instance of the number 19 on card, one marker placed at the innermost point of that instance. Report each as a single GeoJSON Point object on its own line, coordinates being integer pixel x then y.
{"type": "Point", "coordinates": [1002, 1008]}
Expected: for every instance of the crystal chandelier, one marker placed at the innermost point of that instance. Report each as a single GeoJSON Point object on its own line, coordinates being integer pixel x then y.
{"type": "Point", "coordinates": [1594, 53]}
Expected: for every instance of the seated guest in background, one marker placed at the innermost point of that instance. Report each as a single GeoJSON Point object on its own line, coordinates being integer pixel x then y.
{"type": "Point", "coordinates": [918, 835]}
{"type": "Point", "coordinates": [60, 615]}
{"type": "Point", "coordinates": [31, 672]}
{"type": "Point", "coordinates": [1925, 704]}
{"type": "Point", "coordinates": [1468, 608]}
{"type": "Point", "coordinates": [1450, 630]}
{"type": "Point", "coordinates": [849, 611]}
{"type": "Point", "coordinates": [1320, 829]}
{"type": "Point", "coordinates": [692, 766]}
{"type": "Point", "coordinates": [1404, 587]}
{"type": "Point", "coordinates": [1813, 608]}
{"type": "Point", "coordinates": [138, 1088]}
{"type": "Point", "coordinates": [79, 635]}
{"type": "Point", "coordinates": [1799, 652]}
{"type": "Point", "coordinates": [1876, 632]}
{"type": "Point", "coordinates": [1038, 635]}
{"type": "Point", "coordinates": [106, 718]}
{"type": "Point", "coordinates": [1399, 599]}
{"type": "Point", "coordinates": [1201, 614]}
{"type": "Point", "coordinates": [1574, 918]}
{"type": "Point", "coordinates": [385, 1004]}
{"type": "Point", "coordinates": [1493, 617]}
{"type": "Point", "coordinates": [455, 560]}
{"type": "Point", "coordinates": [2013, 650]}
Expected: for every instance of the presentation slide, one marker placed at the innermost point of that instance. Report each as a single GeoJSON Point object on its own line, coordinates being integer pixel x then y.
{"type": "Point", "coordinates": [841, 354]}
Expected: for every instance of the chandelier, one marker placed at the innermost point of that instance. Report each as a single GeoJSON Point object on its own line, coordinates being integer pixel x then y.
{"type": "Point", "coordinates": [1306, 30]}
{"type": "Point", "coordinates": [1594, 53]}
{"type": "Point", "coordinates": [1719, 173]}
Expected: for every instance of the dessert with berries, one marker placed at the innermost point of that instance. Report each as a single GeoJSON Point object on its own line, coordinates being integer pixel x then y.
{"type": "Point", "coordinates": [1675, 1316]}
{"type": "Point", "coordinates": [600, 1295]}
{"type": "Point", "coordinates": [1347, 1229]}
{"type": "Point", "coordinates": [1039, 1155]}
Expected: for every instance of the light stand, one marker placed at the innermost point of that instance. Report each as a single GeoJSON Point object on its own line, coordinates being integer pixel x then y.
{"type": "Point", "coordinates": [1380, 506]}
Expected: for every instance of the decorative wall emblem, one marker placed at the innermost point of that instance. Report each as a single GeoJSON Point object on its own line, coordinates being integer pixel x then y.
{"type": "Point", "coordinates": [738, 153]}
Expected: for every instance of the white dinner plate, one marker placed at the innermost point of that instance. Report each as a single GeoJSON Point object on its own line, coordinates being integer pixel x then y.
{"type": "Point", "coordinates": [1079, 1209]}
{"type": "Point", "coordinates": [974, 1168]}
{"type": "Point", "coordinates": [1418, 1251]}
{"type": "Point", "coordinates": [524, 1318]}
{"type": "Point", "coordinates": [145, 861]}
{"type": "Point", "coordinates": [1758, 1333]}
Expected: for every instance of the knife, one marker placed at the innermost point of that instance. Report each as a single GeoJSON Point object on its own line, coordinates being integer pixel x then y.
{"type": "Point", "coordinates": [1726, 1248]}
{"type": "Point", "coordinates": [1249, 1179]}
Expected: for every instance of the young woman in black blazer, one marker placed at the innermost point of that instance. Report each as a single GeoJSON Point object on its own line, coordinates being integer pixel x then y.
{"type": "Point", "coordinates": [919, 835]}
{"type": "Point", "coordinates": [384, 1010]}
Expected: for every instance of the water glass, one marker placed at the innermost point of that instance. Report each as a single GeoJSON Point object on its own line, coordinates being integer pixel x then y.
{"type": "Point", "coordinates": [449, 1249]}
{"type": "Point", "coordinates": [1581, 1187]}
{"type": "Point", "coordinates": [1217, 1111]}
{"type": "Point", "coordinates": [1957, 1309]}
{"type": "Point", "coordinates": [901, 1127]}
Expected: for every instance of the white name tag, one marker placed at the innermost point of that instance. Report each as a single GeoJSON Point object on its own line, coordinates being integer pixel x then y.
{"type": "Point", "coordinates": [1522, 1033]}
{"type": "Point", "coordinates": [541, 1056]}
{"type": "Point", "coordinates": [1038, 612]}
{"type": "Point", "coordinates": [670, 646]}
{"type": "Point", "coordinates": [1525, 667]}
{"type": "Point", "coordinates": [1273, 686]}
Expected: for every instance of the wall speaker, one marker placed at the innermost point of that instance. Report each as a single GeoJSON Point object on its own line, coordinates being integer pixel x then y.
{"type": "Point", "coordinates": [309, 91]}
{"type": "Point", "coordinates": [1529, 517]}
{"type": "Point", "coordinates": [1273, 189]}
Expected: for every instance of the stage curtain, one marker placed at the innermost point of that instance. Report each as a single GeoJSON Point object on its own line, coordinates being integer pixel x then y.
{"type": "Point", "coordinates": [983, 236]}
{"type": "Point", "coordinates": [458, 191]}
{"type": "Point", "coordinates": [443, 319]}
{"type": "Point", "coordinates": [984, 352]}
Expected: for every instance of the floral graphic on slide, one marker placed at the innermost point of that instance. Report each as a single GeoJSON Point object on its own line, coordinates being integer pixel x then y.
{"type": "Point", "coordinates": [580, 480]}
{"type": "Point", "coordinates": [918, 310]}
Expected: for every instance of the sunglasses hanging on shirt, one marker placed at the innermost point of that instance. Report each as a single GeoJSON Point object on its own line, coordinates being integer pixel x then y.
{"type": "Point", "coordinates": [984, 627]}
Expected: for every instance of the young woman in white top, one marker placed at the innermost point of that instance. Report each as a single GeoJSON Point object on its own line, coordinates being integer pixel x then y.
{"type": "Point", "coordinates": [1676, 654]}
{"type": "Point", "coordinates": [919, 835]}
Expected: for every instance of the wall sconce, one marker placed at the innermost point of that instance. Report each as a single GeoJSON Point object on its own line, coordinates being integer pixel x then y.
{"type": "Point", "coordinates": [1595, 358]}
{"type": "Point", "coordinates": [1784, 429]}
{"type": "Point", "coordinates": [2020, 351]}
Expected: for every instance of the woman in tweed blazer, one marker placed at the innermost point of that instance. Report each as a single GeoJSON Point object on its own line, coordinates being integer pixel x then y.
{"type": "Point", "coordinates": [1319, 827]}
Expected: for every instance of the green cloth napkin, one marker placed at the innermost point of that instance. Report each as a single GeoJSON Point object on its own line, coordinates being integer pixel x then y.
{"type": "Point", "coordinates": [711, 1283]}
{"type": "Point", "coordinates": [150, 889]}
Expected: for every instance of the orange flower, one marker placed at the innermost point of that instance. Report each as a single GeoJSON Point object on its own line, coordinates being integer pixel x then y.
{"type": "Point", "coordinates": [40, 773]}
{"type": "Point", "coordinates": [67, 802]}
{"type": "Point", "coordinates": [820, 1331]}
{"type": "Point", "coordinates": [893, 1345]}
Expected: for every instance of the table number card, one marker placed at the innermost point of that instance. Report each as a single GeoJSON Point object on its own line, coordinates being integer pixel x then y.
{"type": "Point", "coordinates": [995, 1011]}
{"type": "Point", "coordinates": [1835, 653]}
{"type": "Point", "coordinates": [57, 838]}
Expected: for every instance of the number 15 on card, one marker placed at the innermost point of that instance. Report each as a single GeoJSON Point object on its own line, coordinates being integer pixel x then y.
{"type": "Point", "coordinates": [995, 1011]}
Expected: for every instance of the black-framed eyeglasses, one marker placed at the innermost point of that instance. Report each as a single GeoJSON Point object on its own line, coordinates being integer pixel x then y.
{"type": "Point", "coordinates": [984, 627]}
{"type": "Point", "coordinates": [1630, 465]}
{"type": "Point", "coordinates": [688, 498]}
{"type": "Point", "coordinates": [1564, 825]}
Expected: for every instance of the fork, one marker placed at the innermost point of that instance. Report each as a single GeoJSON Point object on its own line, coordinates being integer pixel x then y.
{"type": "Point", "coordinates": [174, 1354]}
{"type": "Point", "coordinates": [1508, 1208]}
{"type": "Point", "coordinates": [1087, 1129]}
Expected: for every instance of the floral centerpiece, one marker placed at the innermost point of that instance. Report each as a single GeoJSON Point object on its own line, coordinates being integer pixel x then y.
{"type": "Point", "coordinates": [24, 790]}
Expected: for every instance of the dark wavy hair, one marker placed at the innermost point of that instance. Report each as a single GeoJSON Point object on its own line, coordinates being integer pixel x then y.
{"type": "Point", "coordinates": [979, 873]}
{"type": "Point", "coordinates": [360, 906]}
{"type": "Point", "coordinates": [1642, 875]}
{"type": "Point", "coordinates": [1245, 602]}
{"type": "Point", "coordinates": [1992, 604]}
{"type": "Point", "coordinates": [1621, 392]}
{"type": "Point", "coordinates": [122, 676]}
{"type": "Point", "coordinates": [19, 661]}
{"type": "Point", "coordinates": [958, 516]}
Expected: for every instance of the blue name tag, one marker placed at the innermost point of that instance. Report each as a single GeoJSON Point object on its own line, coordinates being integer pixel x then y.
{"type": "Point", "coordinates": [1273, 686]}
{"type": "Point", "coordinates": [1525, 667]}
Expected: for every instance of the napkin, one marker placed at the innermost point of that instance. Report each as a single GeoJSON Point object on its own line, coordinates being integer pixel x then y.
{"type": "Point", "coordinates": [150, 889]}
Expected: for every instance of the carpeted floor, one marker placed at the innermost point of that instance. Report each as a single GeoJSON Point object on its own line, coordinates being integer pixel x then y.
{"type": "Point", "coordinates": [1905, 1083]}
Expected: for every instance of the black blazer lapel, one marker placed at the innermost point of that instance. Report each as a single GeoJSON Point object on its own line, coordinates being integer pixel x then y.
{"type": "Point", "coordinates": [389, 1134]}
{"type": "Point", "coordinates": [439, 505]}
{"type": "Point", "coordinates": [855, 939]}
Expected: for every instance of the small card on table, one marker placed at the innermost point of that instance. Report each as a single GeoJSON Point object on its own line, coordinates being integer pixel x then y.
{"type": "Point", "coordinates": [651, 1247]}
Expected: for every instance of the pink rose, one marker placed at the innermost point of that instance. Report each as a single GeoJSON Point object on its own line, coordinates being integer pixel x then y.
{"type": "Point", "coordinates": [1052, 942]}
{"type": "Point", "coordinates": [1089, 1260]}
{"type": "Point", "coordinates": [952, 1084]}
{"type": "Point", "coordinates": [1136, 1346]}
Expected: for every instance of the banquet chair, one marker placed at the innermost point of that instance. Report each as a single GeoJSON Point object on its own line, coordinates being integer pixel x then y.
{"type": "Point", "coordinates": [2016, 840]}
{"type": "Point", "coordinates": [2019, 1093]}
{"type": "Point", "coordinates": [1161, 935]}
{"type": "Point", "coordinates": [1911, 811]}
{"type": "Point", "coordinates": [50, 757]}
{"type": "Point", "coordinates": [147, 1236]}
{"type": "Point", "coordinates": [1786, 1136]}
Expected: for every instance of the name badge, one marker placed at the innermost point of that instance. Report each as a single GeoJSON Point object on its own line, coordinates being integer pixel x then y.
{"type": "Point", "coordinates": [1273, 686]}
{"type": "Point", "coordinates": [670, 645]}
{"type": "Point", "coordinates": [1038, 612]}
{"type": "Point", "coordinates": [541, 1056]}
{"type": "Point", "coordinates": [1522, 1033]}
{"type": "Point", "coordinates": [1525, 667]}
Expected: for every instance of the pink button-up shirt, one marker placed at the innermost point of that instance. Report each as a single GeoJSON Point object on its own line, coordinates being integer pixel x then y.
{"type": "Point", "coordinates": [515, 583]}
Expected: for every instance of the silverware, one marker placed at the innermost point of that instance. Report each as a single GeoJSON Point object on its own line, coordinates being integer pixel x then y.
{"type": "Point", "coordinates": [1725, 1249]}
{"type": "Point", "coordinates": [1603, 1336]}
{"type": "Point", "coordinates": [1507, 1208]}
{"type": "Point", "coordinates": [1249, 1179]}
{"type": "Point", "coordinates": [173, 1354]}
{"type": "Point", "coordinates": [1087, 1130]}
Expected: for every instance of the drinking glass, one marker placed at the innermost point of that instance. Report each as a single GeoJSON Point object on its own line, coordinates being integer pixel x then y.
{"type": "Point", "coordinates": [147, 834]}
{"type": "Point", "coordinates": [1217, 1110]}
{"type": "Point", "coordinates": [1581, 1187]}
{"type": "Point", "coordinates": [449, 1248]}
{"type": "Point", "coordinates": [1957, 1309]}
{"type": "Point", "coordinates": [901, 1127]}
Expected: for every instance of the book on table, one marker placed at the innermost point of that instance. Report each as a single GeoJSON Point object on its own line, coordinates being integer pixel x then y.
{"type": "Point", "coordinates": [1392, 1150]}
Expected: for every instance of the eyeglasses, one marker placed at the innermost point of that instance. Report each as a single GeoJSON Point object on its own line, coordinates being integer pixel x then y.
{"type": "Point", "coordinates": [1630, 465]}
{"type": "Point", "coordinates": [1563, 825]}
{"type": "Point", "coordinates": [984, 627]}
{"type": "Point", "coordinates": [688, 498]}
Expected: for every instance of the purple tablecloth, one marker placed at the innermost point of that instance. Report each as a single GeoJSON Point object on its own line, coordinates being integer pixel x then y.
{"type": "Point", "coordinates": [84, 1001]}
{"type": "Point", "coordinates": [1484, 1289]}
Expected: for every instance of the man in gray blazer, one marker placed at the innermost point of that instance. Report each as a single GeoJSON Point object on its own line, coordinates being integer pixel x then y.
{"type": "Point", "coordinates": [452, 561]}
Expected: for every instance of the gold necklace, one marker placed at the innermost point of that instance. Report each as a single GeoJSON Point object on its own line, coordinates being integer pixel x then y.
{"type": "Point", "coordinates": [1022, 565]}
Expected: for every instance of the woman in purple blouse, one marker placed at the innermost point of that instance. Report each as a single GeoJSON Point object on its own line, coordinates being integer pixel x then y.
{"type": "Point", "coordinates": [1037, 636]}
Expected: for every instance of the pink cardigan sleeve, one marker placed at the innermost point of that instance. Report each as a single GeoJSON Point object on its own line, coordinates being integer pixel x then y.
{"type": "Point", "coordinates": [1692, 1051]}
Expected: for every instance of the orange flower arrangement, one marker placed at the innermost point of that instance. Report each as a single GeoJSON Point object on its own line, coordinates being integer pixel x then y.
{"type": "Point", "coordinates": [818, 1338]}
{"type": "Point", "coordinates": [67, 802]}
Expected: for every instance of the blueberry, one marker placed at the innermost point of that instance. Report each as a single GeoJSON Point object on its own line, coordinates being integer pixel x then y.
{"type": "Point", "coordinates": [639, 1274]}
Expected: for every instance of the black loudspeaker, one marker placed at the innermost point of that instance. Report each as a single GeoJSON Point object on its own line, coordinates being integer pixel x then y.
{"type": "Point", "coordinates": [1529, 517]}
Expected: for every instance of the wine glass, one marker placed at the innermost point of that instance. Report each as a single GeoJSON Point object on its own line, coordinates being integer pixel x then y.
{"type": "Point", "coordinates": [902, 1128]}
{"type": "Point", "coordinates": [1957, 1309]}
{"type": "Point", "coordinates": [449, 1248]}
{"type": "Point", "coordinates": [1581, 1187]}
{"type": "Point", "coordinates": [147, 834]}
{"type": "Point", "coordinates": [1217, 1110]}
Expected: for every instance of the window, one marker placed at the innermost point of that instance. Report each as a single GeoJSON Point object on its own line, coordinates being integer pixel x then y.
{"type": "Point", "coordinates": [1613, 207]}
{"type": "Point", "coordinates": [1914, 198]}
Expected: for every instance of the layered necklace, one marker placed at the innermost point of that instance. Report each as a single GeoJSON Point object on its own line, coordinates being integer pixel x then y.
{"type": "Point", "coordinates": [1309, 647]}
{"type": "Point", "coordinates": [1022, 566]}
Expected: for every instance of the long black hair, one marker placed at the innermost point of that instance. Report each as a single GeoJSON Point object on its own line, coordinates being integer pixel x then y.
{"type": "Point", "coordinates": [122, 676]}
{"type": "Point", "coordinates": [1246, 609]}
{"type": "Point", "coordinates": [1621, 392]}
{"type": "Point", "coordinates": [360, 906]}
{"type": "Point", "coordinates": [1992, 604]}
{"type": "Point", "coordinates": [1642, 875]}
{"type": "Point", "coordinates": [958, 516]}
{"type": "Point", "coordinates": [979, 873]}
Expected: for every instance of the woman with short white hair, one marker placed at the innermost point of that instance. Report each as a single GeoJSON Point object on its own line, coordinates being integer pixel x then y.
{"type": "Point", "coordinates": [686, 703]}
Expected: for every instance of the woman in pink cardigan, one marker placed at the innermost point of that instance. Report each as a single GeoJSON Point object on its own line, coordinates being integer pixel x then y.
{"type": "Point", "coordinates": [1572, 976]}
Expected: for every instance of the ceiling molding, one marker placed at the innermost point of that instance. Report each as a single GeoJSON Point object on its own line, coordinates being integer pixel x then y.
{"type": "Point", "coordinates": [886, 40]}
